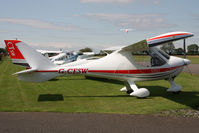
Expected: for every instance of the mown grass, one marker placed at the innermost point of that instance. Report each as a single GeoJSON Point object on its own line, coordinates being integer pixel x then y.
{"type": "Point", "coordinates": [193, 59]}
{"type": "Point", "coordinates": [78, 94]}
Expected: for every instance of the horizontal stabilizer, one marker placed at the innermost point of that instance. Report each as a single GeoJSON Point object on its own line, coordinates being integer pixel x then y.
{"type": "Point", "coordinates": [25, 71]}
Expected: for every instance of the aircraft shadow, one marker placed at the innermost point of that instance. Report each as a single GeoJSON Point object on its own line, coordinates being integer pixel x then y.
{"type": "Point", "coordinates": [50, 97]}
{"type": "Point", "coordinates": [190, 99]}
{"type": "Point", "coordinates": [104, 96]}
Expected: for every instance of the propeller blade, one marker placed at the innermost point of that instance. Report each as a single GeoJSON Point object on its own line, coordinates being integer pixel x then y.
{"type": "Point", "coordinates": [189, 70]}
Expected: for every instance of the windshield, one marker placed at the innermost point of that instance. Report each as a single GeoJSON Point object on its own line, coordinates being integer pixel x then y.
{"type": "Point", "coordinates": [148, 58]}
{"type": "Point", "coordinates": [163, 53]}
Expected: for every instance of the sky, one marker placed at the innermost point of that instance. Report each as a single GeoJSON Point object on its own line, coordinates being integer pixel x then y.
{"type": "Point", "coordinates": [76, 24]}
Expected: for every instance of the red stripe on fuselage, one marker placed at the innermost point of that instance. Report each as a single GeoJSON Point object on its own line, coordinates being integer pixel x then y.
{"type": "Point", "coordinates": [150, 39]}
{"type": "Point", "coordinates": [138, 71]}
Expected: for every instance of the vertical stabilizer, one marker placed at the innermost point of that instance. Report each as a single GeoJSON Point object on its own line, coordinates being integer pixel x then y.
{"type": "Point", "coordinates": [41, 68]}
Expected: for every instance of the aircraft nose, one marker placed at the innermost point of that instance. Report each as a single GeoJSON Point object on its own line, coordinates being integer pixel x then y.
{"type": "Point", "coordinates": [187, 62]}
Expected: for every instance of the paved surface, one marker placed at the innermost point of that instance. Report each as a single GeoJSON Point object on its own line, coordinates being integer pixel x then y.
{"type": "Point", "coordinates": [35, 122]}
{"type": "Point", "coordinates": [194, 68]}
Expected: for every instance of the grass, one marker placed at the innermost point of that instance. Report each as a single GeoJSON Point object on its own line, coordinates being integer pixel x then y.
{"type": "Point", "coordinates": [193, 59]}
{"type": "Point", "coordinates": [78, 94]}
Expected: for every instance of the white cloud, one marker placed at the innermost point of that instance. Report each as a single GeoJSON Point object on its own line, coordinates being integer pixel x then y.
{"type": "Point", "coordinates": [34, 23]}
{"type": "Point", "coordinates": [69, 46]}
{"type": "Point", "coordinates": [47, 45]}
{"type": "Point", "coordinates": [135, 21]}
{"type": "Point", "coordinates": [119, 1]}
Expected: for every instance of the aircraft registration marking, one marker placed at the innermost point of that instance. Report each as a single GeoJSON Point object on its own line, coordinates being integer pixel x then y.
{"type": "Point", "coordinates": [73, 71]}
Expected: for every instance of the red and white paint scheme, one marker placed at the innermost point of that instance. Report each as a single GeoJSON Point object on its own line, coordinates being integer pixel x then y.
{"type": "Point", "coordinates": [121, 64]}
{"type": "Point", "coordinates": [168, 37]}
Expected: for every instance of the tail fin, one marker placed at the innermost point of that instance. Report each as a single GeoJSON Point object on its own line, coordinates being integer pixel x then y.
{"type": "Point", "coordinates": [15, 54]}
{"type": "Point", "coordinates": [42, 68]}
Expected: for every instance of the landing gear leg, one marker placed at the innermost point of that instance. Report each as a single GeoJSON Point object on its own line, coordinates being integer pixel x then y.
{"type": "Point", "coordinates": [133, 90]}
{"type": "Point", "coordinates": [175, 88]}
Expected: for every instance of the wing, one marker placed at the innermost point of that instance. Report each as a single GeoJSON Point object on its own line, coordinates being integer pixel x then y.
{"type": "Point", "coordinates": [168, 37]}
{"type": "Point", "coordinates": [157, 40]}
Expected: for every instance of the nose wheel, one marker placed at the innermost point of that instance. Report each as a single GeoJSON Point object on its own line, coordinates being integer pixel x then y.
{"type": "Point", "coordinates": [175, 88]}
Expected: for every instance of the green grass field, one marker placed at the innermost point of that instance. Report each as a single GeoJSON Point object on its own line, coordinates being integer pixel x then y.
{"type": "Point", "coordinates": [193, 59]}
{"type": "Point", "coordinates": [77, 94]}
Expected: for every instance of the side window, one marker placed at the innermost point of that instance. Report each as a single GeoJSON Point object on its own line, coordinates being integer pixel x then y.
{"type": "Point", "coordinates": [147, 58]}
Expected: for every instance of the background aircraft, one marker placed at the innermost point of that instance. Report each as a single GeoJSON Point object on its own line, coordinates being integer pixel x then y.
{"type": "Point", "coordinates": [126, 30]}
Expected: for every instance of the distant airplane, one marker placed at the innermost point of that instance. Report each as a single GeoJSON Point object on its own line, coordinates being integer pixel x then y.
{"type": "Point", "coordinates": [126, 30]}
{"type": "Point", "coordinates": [122, 64]}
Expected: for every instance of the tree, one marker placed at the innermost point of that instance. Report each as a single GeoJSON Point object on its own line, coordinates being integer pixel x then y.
{"type": "Point", "coordinates": [193, 49]}
{"type": "Point", "coordinates": [86, 50]}
{"type": "Point", "coordinates": [179, 51]}
{"type": "Point", "coordinates": [2, 50]}
{"type": "Point", "coordinates": [168, 48]}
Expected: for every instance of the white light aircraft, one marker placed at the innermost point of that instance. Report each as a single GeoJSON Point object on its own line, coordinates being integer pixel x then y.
{"type": "Point", "coordinates": [126, 30]}
{"type": "Point", "coordinates": [122, 64]}
{"type": "Point", "coordinates": [64, 57]}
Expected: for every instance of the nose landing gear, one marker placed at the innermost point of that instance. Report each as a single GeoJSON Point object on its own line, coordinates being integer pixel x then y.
{"type": "Point", "coordinates": [175, 88]}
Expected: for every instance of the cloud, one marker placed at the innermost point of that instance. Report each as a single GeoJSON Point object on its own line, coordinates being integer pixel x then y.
{"type": "Point", "coordinates": [48, 45]}
{"type": "Point", "coordinates": [39, 24]}
{"type": "Point", "coordinates": [119, 1]}
{"type": "Point", "coordinates": [69, 46]}
{"type": "Point", "coordinates": [135, 21]}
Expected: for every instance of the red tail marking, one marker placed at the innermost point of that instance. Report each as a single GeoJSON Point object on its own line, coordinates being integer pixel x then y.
{"type": "Point", "coordinates": [13, 50]}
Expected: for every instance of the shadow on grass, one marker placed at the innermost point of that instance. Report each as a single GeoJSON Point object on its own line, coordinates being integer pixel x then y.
{"type": "Point", "coordinates": [53, 79]}
{"type": "Point", "coordinates": [50, 97]}
{"type": "Point", "coordinates": [102, 96]}
{"type": "Point", "coordinates": [190, 99]}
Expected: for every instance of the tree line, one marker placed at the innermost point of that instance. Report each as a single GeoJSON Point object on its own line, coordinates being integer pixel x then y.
{"type": "Point", "coordinates": [169, 48]}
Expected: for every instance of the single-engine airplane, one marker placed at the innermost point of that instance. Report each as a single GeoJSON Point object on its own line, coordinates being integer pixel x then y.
{"type": "Point", "coordinates": [60, 57]}
{"type": "Point", "coordinates": [122, 64]}
{"type": "Point", "coordinates": [126, 30]}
